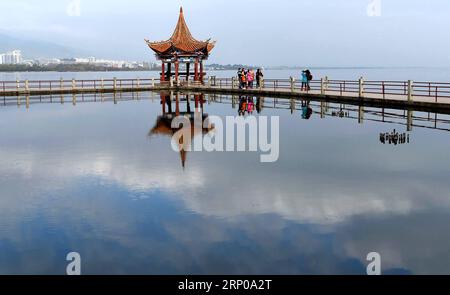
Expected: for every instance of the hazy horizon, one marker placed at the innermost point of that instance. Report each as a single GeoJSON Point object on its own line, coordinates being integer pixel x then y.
{"type": "Point", "coordinates": [319, 33]}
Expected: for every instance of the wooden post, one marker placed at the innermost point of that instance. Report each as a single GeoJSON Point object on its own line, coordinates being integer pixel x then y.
{"type": "Point", "coordinates": [360, 114]}
{"type": "Point", "coordinates": [361, 87]}
{"type": "Point", "coordinates": [102, 82]}
{"type": "Point", "coordinates": [61, 84]}
{"type": "Point", "coordinates": [138, 83]}
{"type": "Point", "coordinates": [292, 103]}
{"type": "Point", "coordinates": [74, 84]}
{"type": "Point", "coordinates": [27, 86]}
{"type": "Point", "coordinates": [115, 83]}
{"type": "Point", "coordinates": [261, 83]}
{"type": "Point", "coordinates": [171, 81]}
{"type": "Point", "coordinates": [410, 90]}
{"type": "Point", "coordinates": [322, 109]}
{"type": "Point", "coordinates": [18, 85]}
{"type": "Point", "coordinates": [153, 82]}
{"type": "Point", "coordinates": [409, 122]}
{"type": "Point", "coordinates": [292, 84]}
{"type": "Point", "coordinates": [322, 86]}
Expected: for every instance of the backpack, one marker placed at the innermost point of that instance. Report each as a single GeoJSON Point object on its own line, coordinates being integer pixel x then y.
{"type": "Point", "coordinates": [310, 77]}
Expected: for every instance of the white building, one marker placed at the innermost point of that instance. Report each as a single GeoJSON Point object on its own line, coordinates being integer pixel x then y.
{"type": "Point", "coordinates": [12, 58]}
{"type": "Point", "coordinates": [49, 61]}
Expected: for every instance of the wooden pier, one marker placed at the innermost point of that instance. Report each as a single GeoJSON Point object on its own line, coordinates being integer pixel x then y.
{"type": "Point", "coordinates": [395, 94]}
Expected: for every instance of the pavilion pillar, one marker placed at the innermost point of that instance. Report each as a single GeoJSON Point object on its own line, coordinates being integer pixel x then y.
{"type": "Point", "coordinates": [196, 70]}
{"type": "Point", "coordinates": [163, 72]}
{"type": "Point", "coordinates": [196, 101]}
{"type": "Point", "coordinates": [188, 66]}
{"type": "Point", "coordinates": [201, 71]}
{"type": "Point", "coordinates": [169, 70]}
{"type": "Point", "coordinates": [177, 69]}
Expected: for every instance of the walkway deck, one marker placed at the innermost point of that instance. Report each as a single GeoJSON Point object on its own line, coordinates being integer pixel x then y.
{"type": "Point", "coordinates": [429, 96]}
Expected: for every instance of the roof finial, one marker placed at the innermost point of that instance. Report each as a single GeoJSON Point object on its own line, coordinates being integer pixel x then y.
{"type": "Point", "coordinates": [181, 9]}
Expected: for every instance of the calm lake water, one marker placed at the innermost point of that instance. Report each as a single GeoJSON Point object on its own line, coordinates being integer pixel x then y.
{"type": "Point", "coordinates": [91, 178]}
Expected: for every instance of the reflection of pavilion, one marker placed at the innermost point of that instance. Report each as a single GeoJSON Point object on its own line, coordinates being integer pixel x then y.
{"type": "Point", "coordinates": [163, 125]}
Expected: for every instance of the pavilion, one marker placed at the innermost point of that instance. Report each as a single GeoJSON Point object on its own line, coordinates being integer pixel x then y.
{"type": "Point", "coordinates": [182, 48]}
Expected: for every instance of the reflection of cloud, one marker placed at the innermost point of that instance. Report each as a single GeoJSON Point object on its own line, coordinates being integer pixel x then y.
{"type": "Point", "coordinates": [416, 242]}
{"type": "Point", "coordinates": [221, 191]}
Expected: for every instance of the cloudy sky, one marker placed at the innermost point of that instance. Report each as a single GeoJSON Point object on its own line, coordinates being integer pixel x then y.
{"type": "Point", "coordinates": [263, 32]}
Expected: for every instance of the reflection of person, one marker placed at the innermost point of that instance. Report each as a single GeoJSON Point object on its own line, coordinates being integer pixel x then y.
{"type": "Point", "coordinates": [258, 105]}
{"type": "Point", "coordinates": [250, 105]}
{"type": "Point", "coordinates": [242, 106]}
{"type": "Point", "coordinates": [306, 111]}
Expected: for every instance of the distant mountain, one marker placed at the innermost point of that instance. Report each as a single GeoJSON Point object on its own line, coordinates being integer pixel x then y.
{"type": "Point", "coordinates": [36, 49]}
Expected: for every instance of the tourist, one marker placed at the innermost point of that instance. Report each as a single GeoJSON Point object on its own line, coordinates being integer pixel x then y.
{"type": "Point", "coordinates": [244, 79]}
{"type": "Point", "coordinates": [253, 77]}
{"type": "Point", "coordinates": [250, 78]}
{"type": "Point", "coordinates": [239, 75]}
{"type": "Point", "coordinates": [259, 76]}
{"type": "Point", "coordinates": [304, 81]}
{"type": "Point", "coordinates": [309, 78]}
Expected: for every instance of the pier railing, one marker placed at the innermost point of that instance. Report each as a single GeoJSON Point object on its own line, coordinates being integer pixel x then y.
{"type": "Point", "coordinates": [406, 90]}
{"type": "Point", "coordinates": [430, 92]}
{"type": "Point", "coordinates": [70, 85]}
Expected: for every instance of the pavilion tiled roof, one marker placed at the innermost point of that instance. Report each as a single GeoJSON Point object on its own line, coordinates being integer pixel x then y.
{"type": "Point", "coordinates": [181, 41]}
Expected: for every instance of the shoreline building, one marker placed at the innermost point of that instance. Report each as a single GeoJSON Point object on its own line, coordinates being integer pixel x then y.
{"type": "Point", "coordinates": [11, 58]}
{"type": "Point", "coordinates": [182, 48]}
